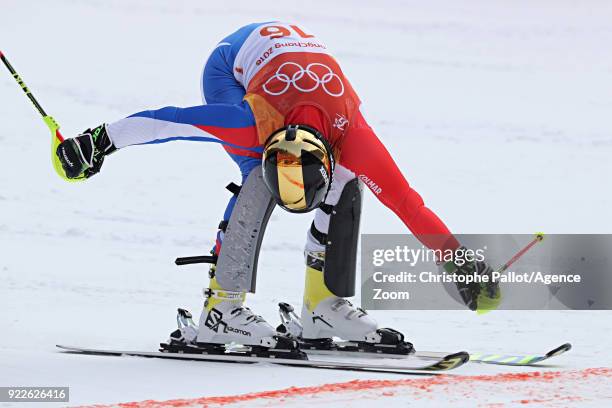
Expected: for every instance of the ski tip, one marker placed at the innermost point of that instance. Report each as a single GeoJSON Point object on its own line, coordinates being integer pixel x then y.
{"type": "Point", "coordinates": [559, 350]}
{"type": "Point", "coordinates": [462, 356]}
{"type": "Point", "coordinates": [451, 361]}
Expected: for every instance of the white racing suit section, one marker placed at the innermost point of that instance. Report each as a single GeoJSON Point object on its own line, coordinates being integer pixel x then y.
{"type": "Point", "coordinates": [237, 263]}
{"type": "Point", "coordinates": [335, 231]}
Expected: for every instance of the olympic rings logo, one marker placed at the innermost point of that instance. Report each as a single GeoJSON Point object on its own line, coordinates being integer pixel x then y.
{"type": "Point", "coordinates": [328, 81]}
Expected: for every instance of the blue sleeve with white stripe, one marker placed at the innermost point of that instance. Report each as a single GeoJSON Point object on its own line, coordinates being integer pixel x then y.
{"type": "Point", "coordinates": [231, 125]}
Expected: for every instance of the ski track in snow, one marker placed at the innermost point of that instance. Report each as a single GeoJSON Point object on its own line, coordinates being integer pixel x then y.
{"type": "Point", "coordinates": [509, 102]}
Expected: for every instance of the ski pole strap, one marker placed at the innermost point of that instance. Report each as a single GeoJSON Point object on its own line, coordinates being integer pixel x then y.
{"type": "Point", "coordinates": [187, 260]}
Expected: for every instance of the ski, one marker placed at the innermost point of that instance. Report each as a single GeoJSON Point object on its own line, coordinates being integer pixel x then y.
{"type": "Point", "coordinates": [485, 358]}
{"type": "Point", "coordinates": [291, 326]}
{"type": "Point", "coordinates": [417, 366]}
{"type": "Point", "coordinates": [507, 359]}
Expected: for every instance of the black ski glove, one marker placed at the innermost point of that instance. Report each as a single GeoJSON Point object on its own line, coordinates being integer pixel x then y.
{"type": "Point", "coordinates": [480, 297]}
{"type": "Point", "coordinates": [82, 156]}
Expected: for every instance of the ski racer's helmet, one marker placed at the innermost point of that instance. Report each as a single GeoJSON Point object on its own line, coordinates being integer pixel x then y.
{"type": "Point", "coordinates": [297, 167]}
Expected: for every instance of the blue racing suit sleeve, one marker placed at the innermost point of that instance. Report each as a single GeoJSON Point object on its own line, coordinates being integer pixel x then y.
{"type": "Point", "coordinates": [228, 124]}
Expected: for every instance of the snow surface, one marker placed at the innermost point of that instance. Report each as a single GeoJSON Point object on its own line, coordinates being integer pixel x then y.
{"type": "Point", "coordinates": [498, 112]}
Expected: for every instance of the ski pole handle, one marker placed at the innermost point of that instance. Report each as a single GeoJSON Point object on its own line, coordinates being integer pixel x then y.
{"type": "Point", "coordinates": [56, 136]}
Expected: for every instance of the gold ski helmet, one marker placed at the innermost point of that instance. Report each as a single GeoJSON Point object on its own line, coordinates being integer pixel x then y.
{"type": "Point", "coordinates": [297, 167]}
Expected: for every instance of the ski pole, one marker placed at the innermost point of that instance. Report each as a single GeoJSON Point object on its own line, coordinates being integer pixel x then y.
{"type": "Point", "coordinates": [56, 136]}
{"type": "Point", "coordinates": [538, 238]}
{"type": "Point", "coordinates": [486, 303]}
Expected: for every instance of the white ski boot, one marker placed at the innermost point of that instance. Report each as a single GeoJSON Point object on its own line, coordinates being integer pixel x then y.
{"type": "Point", "coordinates": [337, 317]}
{"type": "Point", "coordinates": [326, 316]}
{"type": "Point", "coordinates": [229, 321]}
{"type": "Point", "coordinates": [318, 330]}
{"type": "Point", "coordinates": [227, 326]}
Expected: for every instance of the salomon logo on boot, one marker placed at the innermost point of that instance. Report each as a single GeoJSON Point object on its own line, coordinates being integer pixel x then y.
{"type": "Point", "coordinates": [229, 322]}
{"type": "Point", "coordinates": [230, 329]}
{"type": "Point", "coordinates": [213, 320]}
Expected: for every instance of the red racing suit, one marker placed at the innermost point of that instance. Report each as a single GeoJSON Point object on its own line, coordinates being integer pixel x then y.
{"type": "Point", "coordinates": [280, 74]}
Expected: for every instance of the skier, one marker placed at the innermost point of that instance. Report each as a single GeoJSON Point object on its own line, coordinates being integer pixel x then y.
{"type": "Point", "coordinates": [281, 107]}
